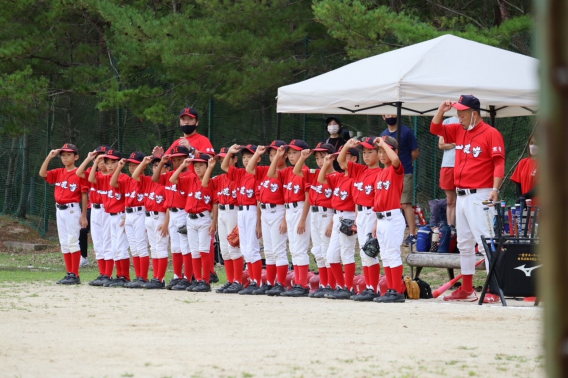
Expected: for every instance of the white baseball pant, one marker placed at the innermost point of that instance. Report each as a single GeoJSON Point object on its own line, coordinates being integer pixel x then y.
{"type": "Point", "coordinates": [320, 220]}
{"type": "Point", "coordinates": [298, 243]}
{"type": "Point", "coordinates": [100, 233]}
{"type": "Point", "coordinates": [135, 229]}
{"type": "Point", "coordinates": [274, 242]}
{"type": "Point", "coordinates": [366, 220]}
{"type": "Point", "coordinates": [227, 221]}
{"type": "Point", "coordinates": [118, 237]}
{"type": "Point", "coordinates": [69, 227]}
{"type": "Point", "coordinates": [390, 234]}
{"type": "Point", "coordinates": [472, 222]}
{"type": "Point", "coordinates": [247, 219]}
{"type": "Point", "coordinates": [158, 243]}
{"type": "Point", "coordinates": [341, 247]}
{"type": "Point", "coordinates": [179, 242]}
{"type": "Point", "coordinates": [198, 234]}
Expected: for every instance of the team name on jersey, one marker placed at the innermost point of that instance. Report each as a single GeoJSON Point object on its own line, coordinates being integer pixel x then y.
{"type": "Point", "coordinates": [111, 194]}
{"type": "Point", "coordinates": [475, 151]}
{"type": "Point", "coordinates": [65, 185]}
{"type": "Point", "coordinates": [273, 186]}
{"type": "Point", "coordinates": [246, 192]}
{"type": "Point", "coordinates": [292, 187]}
{"type": "Point", "coordinates": [383, 185]}
{"type": "Point", "coordinates": [362, 187]}
{"type": "Point", "coordinates": [342, 194]}
{"type": "Point", "coordinates": [319, 189]}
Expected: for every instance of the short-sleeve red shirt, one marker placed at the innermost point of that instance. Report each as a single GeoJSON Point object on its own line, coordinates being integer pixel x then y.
{"type": "Point", "coordinates": [245, 185]}
{"type": "Point", "coordinates": [226, 189]}
{"type": "Point", "coordinates": [199, 199]}
{"type": "Point", "coordinates": [113, 198]}
{"type": "Point", "coordinates": [364, 179]}
{"type": "Point", "coordinates": [134, 196]}
{"type": "Point", "coordinates": [154, 194]}
{"type": "Point", "coordinates": [174, 196]}
{"type": "Point", "coordinates": [199, 142]}
{"type": "Point", "coordinates": [68, 186]}
{"type": "Point", "coordinates": [270, 190]}
{"type": "Point", "coordinates": [526, 175]}
{"type": "Point", "coordinates": [319, 194]}
{"type": "Point", "coordinates": [342, 199]}
{"type": "Point", "coordinates": [388, 189]}
{"type": "Point", "coordinates": [294, 186]}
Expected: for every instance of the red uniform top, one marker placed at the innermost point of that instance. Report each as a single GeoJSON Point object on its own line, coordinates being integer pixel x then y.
{"type": "Point", "coordinates": [342, 199]}
{"type": "Point", "coordinates": [295, 190]}
{"type": "Point", "coordinates": [154, 194]}
{"type": "Point", "coordinates": [270, 190]}
{"type": "Point", "coordinates": [245, 185]}
{"type": "Point", "coordinates": [226, 189]}
{"type": "Point", "coordinates": [174, 196]}
{"type": "Point", "coordinates": [320, 194]}
{"type": "Point", "coordinates": [199, 199]}
{"type": "Point", "coordinates": [68, 186]}
{"type": "Point", "coordinates": [388, 189]}
{"type": "Point", "coordinates": [133, 193]}
{"type": "Point", "coordinates": [364, 179]}
{"type": "Point", "coordinates": [525, 174]}
{"type": "Point", "coordinates": [199, 142]}
{"type": "Point", "coordinates": [94, 195]}
{"type": "Point", "coordinates": [480, 153]}
{"type": "Point", "coordinates": [113, 198]}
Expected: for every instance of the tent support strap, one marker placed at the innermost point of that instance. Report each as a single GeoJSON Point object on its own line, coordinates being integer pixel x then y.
{"type": "Point", "coordinates": [399, 122]}
{"type": "Point", "coordinates": [278, 123]}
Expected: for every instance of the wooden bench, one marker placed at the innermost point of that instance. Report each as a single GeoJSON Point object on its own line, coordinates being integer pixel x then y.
{"type": "Point", "coordinates": [449, 261]}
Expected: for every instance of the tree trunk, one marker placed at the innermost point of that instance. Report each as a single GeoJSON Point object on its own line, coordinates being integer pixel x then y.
{"type": "Point", "coordinates": [9, 185]}
{"type": "Point", "coordinates": [23, 205]}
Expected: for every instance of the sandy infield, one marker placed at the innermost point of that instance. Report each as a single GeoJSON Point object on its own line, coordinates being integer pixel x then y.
{"type": "Point", "coordinates": [52, 331]}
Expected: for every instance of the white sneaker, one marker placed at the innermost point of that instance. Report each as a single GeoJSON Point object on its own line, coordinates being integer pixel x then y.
{"type": "Point", "coordinates": [84, 262]}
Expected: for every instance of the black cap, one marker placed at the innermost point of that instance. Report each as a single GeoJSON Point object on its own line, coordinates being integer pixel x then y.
{"type": "Point", "coordinates": [467, 102]}
{"type": "Point", "coordinates": [368, 142]}
{"type": "Point", "coordinates": [200, 156]}
{"type": "Point", "coordinates": [136, 157]}
{"type": "Point", "coordinates": [298, 145]}
{"type": "Point", "coordinates": [324, 147]}
{"type": "Point", "coordinates": [113, 154]}
{"type": "Point", "coordinates": [158, 158]}
{"type": "Point", "coordinates": [189, 112]}
{"type": "Point", "coordinates": [179, 151]}
{"type": "Point", "coordinates": [249, 147]}
{"type": "Point", "coordinates": [333, 118]}
{"type": "Point", "coordinates": [68, 147]}
{"type": "Point", "coordinates": [276, 144]}
{"type": "Point", "coordinates": [102, 149]}
{"type": "Point", "coordinates": [353, 151]}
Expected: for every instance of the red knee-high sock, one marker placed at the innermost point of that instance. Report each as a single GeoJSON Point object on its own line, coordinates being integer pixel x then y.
{"type": "Point", "coordinates": [206, 266]}
{"type": "Point", "coordinates": [212, 255]}
{"type": "Point", "coordinates": [102, 266]}
{"type": "Point", "coordinates": [144, 267]}
{"type": "Point", "coordinates": [136, 262]}
{"type": "Point", "coordinates": [367, 276]}
{"type": "Point", "coordinates": [331, 281]}
{"type": "Point", "coordinates": [197, 268]}
{"type": "Point", "coordinates": [257, 268]}
{"type": "Point", "coordinates": [375, 275]}
{"type": "Point", "coordinates": [388, 273]}
{"type": "Point", "coordinates": [178, 263]}
{"type": "Point", "coordinates": [323, 276]}
{"type": "Point", "coordinates": [251, 272]}
{"type": "Point", "coordinates": [229, 271]}
{"type": "Point", "coordinates": [282, 272]}
{"type": "Point", "coordinates": [118, 266]}
{"type": "Point", "coordinates": [126, 268]}
{"type": "Point", "coordinates": [271, 274]}
{"type": "Point", "coordinates": [109, 266]}
{"type": "Point", "coordinates": [397, 282]}
{"type": "Point", "coordinates": [162, 268]}
{"type": "Point", "coordinates": [467, 282]}
{"type": "Point", "coordinates": [349, 275]}
{"type": "Point", "coordinates": [75, 261]}
{"type": "Point", "coordinates": [338, 274]}
{"type": "Point", "coordinates": [238, 266]}
{"type": "Point", "coordinates": [302, 275]}
{"type": "Point", "coordinates": [156, 267]}
{"type": "Point", "coordinates": [68, 262]}
{"type": "Point", "coordinates": [187, 266]}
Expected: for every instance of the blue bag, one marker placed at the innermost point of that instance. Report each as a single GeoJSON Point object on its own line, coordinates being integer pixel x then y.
{"type": "Point", "coordinates": [424, 239]}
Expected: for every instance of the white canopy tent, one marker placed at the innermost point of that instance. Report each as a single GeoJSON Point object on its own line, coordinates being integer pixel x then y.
{"type": "Point", "coordinates": [414, 81]}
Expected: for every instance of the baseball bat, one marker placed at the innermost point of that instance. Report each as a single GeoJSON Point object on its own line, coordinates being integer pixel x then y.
{"type": "Point", "coordinates": [528, 225]}
{"type": "Point", "coordinates": [442, 289]}
{"type": "Point", "coordinates": [511, 220]}
{"type": "Point", "coordinates": [534, 223]}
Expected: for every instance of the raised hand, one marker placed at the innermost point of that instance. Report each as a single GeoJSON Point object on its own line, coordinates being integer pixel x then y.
{"type": "Point", "coordinates": [158, 150]}
{"type": "Point", "coordinates": [446, 106]}
{"type": "Point", "coordinates": [280, 151]}
{"type": "Point", "coordinates": [306, 153]}
{"type": "Point", "coordinates": [121, 163]}
{"type": "Point", "coordinates": [351, 143]}
{"type": "Point", "coordinates": [261, 150]}
{"type": "Point", "coordinates": [54, 153]}
{"type": "Point", "coordinates": [147, 160]}
{"type": "Point", "coordinates": [165, 159]}
{"type": "Point", "coordinates": [211, 163]}
{"type": "Point", "coordinates": [234, 149]}
{"type": "Point", "coordinates": [328, 159]}
{"type": "Point", "coordinates": [92, 155]}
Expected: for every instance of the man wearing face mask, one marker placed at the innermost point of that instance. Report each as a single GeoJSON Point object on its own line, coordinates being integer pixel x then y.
{"type": "Point", "coordinates": [478, 174]}
{"type": "Point", "coordinates": [335, 130]}
{"type": "Point", "coordinates": [408, 152]}
{"type": "Point", "coordinates": [525, 176]}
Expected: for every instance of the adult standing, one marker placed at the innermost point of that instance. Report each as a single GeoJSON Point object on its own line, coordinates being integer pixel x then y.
{"type": "Point", "coordinates": [525, 176]}
{"type": "Point", "coordinates": [407, 153]}
{"type": "Point", "coordinates": [335, 130]}
{"type": "Point", "coordinates": [447, 173]}
{"type": "Point", "coordinates": [478, 174]}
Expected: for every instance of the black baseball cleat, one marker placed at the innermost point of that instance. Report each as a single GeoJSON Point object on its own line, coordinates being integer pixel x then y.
{"type": "Point", "coordinates": [340, 293]}
{"type": "Point", "coordinates": [183, 284]}
{"type": "Point", "coordinates": [63, 279]}
{"type": "Point", "coordinates": [391, 296]}
{"type": "Point", "coordinates": [72, 279]}
{"type": "Point", "coordinates": [173, 282]}
{"type": "Point", "coordinates": [137, 283]}
{"type": "Point", "coordinates": [221, 289]}
{"type": "Point", "coordinates": [105, 280]}
{"type": "Point", "coordinates": [119, 282]}
{"type": "Point", "coordinates": [296, 291]}
{"type": "Point", "coordinates": [154, 284]}
{"type": "Point", "coordinates": [366, 295]}
{"type": "Point", "coordinates": [234, 288]}
{"type": "Point", "coordinates": [110, 281]}
{"type": "Point", "coordinates": [277, 290]}
{"type": "Point", "coordinates": [98, 281]}
{"type": "Point", "coordinates": [319, 293]}
{"type": "Point", "coordinates": [248, 291]}
{"type": "Point", "coordinates": [192, 284]}
{"type": "Point", "coordinates": [262, 290]}
{"type": "Point", "coordinates": [213, 278]}
{"type": "Point", "coordinates": [201, 287]}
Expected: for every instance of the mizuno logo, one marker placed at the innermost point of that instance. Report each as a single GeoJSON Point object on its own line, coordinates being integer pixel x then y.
{"type": "Point", "coordinates": [527, 271]}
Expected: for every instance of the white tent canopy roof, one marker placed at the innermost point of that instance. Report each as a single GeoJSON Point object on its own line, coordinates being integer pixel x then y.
{"type": "Point", "coordinates": [421, 76]}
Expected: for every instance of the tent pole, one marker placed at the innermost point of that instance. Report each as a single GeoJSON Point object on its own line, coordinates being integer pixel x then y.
{"type": "Point", "coordinates": [278, 123]}
{"type": "Point", "coordinates": [492, 114]}
{"type": "Point", "coordinates": [399, 122]}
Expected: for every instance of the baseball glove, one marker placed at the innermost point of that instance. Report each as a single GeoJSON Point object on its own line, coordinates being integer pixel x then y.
{"type": "Point", "coordinates": [412, 288]}
{"type": "Point", "coordinates": [348, 227]}
{"type": "Point", "coordinates": [233, 237]}
{"type": "Point", "coordinates": [371, 246]}
{"type": "Point", "coordinates": [182, 229]}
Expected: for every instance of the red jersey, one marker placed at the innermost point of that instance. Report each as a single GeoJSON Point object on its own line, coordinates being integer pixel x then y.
{"type": "Point", "coordinates": [68, 186]}
{"type": "Point", "coordinates": [319, 194]}
{"type": "Point", "coordinates": [174, 197]}
{"type": "Point", "coordinates": [364, 179]}
{"type": "Point", "coordinates": [94, 195]}
{"type": "Point", "coordinates": [245, 185]}
{"type": "Point", "coordinates": [134, 196]}
{"type": "Point", "coordinates": [294, 188]}
{"type": "Point", "coordinates": [199, 199]}
{"type": "Point", "coordinates": [270, 190]}
{"type": "Point", "coordinates": [526, 175]}
{"type": "Point", "coordinates": [113, 198]}
{"type": "Point", "coordinates": [226, 189]}
{"type": "Point", "coordinates": [199, 142]}
{"type": "Point", "coordinates": [388, 189]}
{"type": "Point", "coordinates": [480, 153]}
{"type": "Point", "coordinates": [154, 194]}
{"type": "Point", "coordinates": [342, 199]}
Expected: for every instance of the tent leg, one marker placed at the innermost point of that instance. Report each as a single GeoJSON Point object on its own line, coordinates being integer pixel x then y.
{"type": "Point", "coordinates": [492, 114]}
{"type": "Point", "coordinates": [278, 123]}
{"type": "Point", "coordinates": [398, 121]}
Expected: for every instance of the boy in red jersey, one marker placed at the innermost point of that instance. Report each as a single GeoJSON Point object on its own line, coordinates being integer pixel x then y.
{"type": "Point", "coordinates": [322, 214]}
{"type": "Point", "coordinates": [273, 217]}
{"type": "Point", "coordinates": [70, 190]}
{"type": "Point", "coordinates": [391, 224]}
{"type": "Point", "coordinates": [201, 208]}
{"type": "Point", "coordinates": [341, 247]}
{"type": "Point", "coordinates": [363, 190]}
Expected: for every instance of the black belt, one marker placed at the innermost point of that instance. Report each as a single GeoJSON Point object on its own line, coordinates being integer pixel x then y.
{"type": "Point", "coordinates": [130, 210]}
{"type": "Point", "coordinates": [175, 209]}
{"type": "Point", "coordinates": [291, 205]}
{"type": "Point", "coordinates": [148, 213]}
{"type": "Point", "coordinates": [195, 216]}
{"type": "Point", "coordinates": [63, 207]}
{"type": "Point", "coordinates": [462, 192]}
{"type": "Point", "coordinates": [121, 212]}
{"type": "Point", "coordinates": [384, 215]}
{"type": "Point", "coordinates": [245, 207]}
{"type": "Point", "coordinates": [267, 205]}
{"type": "Point", "coordinates": [361, 208]}
{"type": "Point", "coordinates": [96, 205]}
{"type": "Point", "coordinates": [227, 207]}
{"type": "Point", "coordinates": [315, 209]}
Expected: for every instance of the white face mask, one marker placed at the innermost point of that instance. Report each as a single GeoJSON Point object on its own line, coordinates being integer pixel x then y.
{"type": "Point", "coordinates": [471, 123]}
{"type": "Point", "coordinates": [533, 149]}
{"type": "Point", "coordinates": [333, 129]}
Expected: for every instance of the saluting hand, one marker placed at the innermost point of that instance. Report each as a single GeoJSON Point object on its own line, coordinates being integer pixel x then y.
{"type": "Point", "coordinates": [446, 106]}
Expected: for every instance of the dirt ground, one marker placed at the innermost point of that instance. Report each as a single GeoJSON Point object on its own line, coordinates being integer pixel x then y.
{"type": "Point", "coordinates": [52, 331]}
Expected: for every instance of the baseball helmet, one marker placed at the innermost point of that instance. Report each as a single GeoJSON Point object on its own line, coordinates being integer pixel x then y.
{"type": "Point", "coordinates": [246, 278]}
{"type": "Point", "coordinates": [359, 284]}
{"type": "Point", "coordinates": [314, 281]}
{"type": "Point", "coordinates": [383, 286]}
{"type": "Point", "coordinates": [289, 279]}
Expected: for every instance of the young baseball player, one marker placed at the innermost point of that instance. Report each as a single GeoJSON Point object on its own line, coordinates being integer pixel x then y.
{"type": "Point", "coordinates": [363, 190]}
{"type": "Point", "coordinates": [70, 190]}
{"type": "Point", "coordinates": [113, 200]}
{"type": "Point", "coordinates": [248, 222]}
{"type": "Point", "coordinates": [273, 217]}
{"type": "Point", "coordinates": [322, 214]}
{"type": "Point", "coordinates": [201, 208]}
{"type": "Point", "coordinates": [391, 224]}
{"type": "Point", "coordinates": [156, 225]}
{"type": "Point", "coordinates": [228, 219]}
{"type": "Point", "coordinates": [341, 247]}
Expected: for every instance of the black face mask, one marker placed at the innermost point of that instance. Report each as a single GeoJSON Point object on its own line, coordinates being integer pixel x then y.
{"type": "Point", "coordinates": [188, 129]}
{"type": "Point", "coordinates": [391, 121]}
